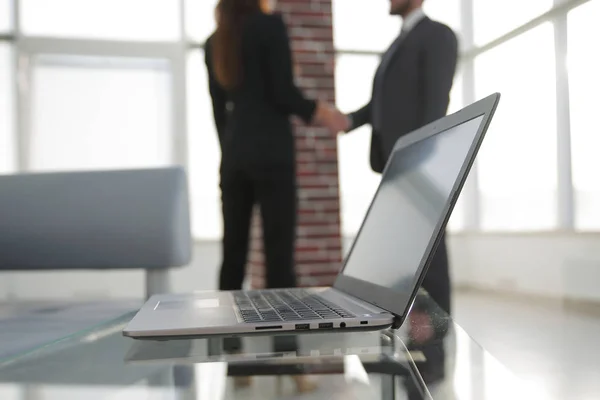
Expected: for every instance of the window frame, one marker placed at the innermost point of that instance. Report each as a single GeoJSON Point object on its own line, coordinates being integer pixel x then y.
{"type": "Point", "coordinates": [177, 51]}
{"type": "Point", "coordinates": [557, 16]}
{"type": "Point", "coordinates": [26, 47]}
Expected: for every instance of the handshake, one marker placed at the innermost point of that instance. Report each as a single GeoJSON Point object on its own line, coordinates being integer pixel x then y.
{"type": "Point", "coordinates": [331, 118]}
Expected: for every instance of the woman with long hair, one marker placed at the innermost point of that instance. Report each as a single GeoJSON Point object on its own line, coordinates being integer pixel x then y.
{"type": "Point", "coordinates": [251, 81]}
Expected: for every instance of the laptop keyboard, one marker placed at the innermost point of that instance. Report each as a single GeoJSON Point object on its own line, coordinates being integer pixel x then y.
{"type": "Point", "coordinates": [285, 305]}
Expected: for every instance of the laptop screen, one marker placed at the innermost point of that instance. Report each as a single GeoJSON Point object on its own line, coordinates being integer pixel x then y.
{"type": "Point", "coordinates": [414, 192]}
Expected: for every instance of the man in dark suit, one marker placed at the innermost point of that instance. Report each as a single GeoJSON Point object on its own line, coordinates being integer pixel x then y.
{"type": "Point", "coordinates": [411, 89]}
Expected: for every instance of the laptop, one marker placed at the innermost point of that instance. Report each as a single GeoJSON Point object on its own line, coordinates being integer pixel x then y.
{"type": "Point", "coordinates": [384, 268]}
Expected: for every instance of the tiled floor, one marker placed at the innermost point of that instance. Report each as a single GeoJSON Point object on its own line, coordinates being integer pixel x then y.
{"type": "Point", "coordinates": [551, 344]}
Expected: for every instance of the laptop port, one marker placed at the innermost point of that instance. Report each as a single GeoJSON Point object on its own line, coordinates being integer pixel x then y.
{"type": "Point", "coordinates": [301, 327]}
{"type": "Point", "coordinates": [364, 322]}
{"type": "Point", "coordinates": [326, 325]}
{"type": "Point", "coordinates": [342, 324]}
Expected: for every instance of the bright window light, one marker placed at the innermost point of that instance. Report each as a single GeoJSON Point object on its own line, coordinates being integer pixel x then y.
{"type": "Point", "coordinates": [90, 113]}
{"type": "Point", "coordinates": [144, 20]}
{"type": "Point", "coordinates": [7, 144]}
{"type": "Point", "coordinates": [494, 18]}
{"type": "Point", "coordinates": [204, 154]}
{"type": "Point", "coordinates": [584, 81]}
{"type": "Point", "coordinates": [517, 162]}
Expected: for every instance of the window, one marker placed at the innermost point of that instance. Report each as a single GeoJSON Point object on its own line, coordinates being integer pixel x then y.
{"type": "Point", "coordinates": [457, 219]}
{"type": "Point", "coordinates": [584, 65]}
{"type": "Point", "coordinates": [7, 145]}
{"type": "Point", "coordinates": [151, 20]}
{"type": "Point", "coordinates": [445, 11]}
{"type": "Point", "coordinates": [358, 182]}
{"type": "Point", "coordinates": [93, 112]}
{"type": "Point", "coordinates": [204, 154]}
{"type": "Point", "coordinates": [97, 113]}
{"type": "Point", "coordinates": [353, 18]}
{"type": "Point", "coordinates": [199, 19]}
{"type": "Point", "coordinates": [517, 163]}
{"type": "Point", "coordinates": [494, 18]}
{"type": "Point", "coordinates": [364, 25]}
{"type": "Point", "coordinates": [5, 16]}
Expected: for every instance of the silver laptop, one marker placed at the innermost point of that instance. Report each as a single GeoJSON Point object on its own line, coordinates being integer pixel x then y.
{"type": "Point", "coordinates": [384, 267]}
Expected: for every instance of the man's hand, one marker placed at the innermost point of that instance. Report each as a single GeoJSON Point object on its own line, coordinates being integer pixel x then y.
{"type": "Point", "coordinates": [331, 118]}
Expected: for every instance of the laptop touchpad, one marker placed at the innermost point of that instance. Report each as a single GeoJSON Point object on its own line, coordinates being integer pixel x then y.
{"type": "Point", "coordinates": [188, 304]}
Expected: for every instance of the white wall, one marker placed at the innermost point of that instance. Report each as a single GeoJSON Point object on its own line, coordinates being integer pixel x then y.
{"type": "Point", "coordinates": [558, 265]}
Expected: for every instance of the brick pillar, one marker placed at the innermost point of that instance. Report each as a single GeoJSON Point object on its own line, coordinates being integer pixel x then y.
{"type": "Point", "coordinates": [318, 244]}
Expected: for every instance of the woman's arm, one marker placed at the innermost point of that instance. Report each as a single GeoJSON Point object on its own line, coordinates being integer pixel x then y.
{"type": "Point", "coordinates": [284, 92]}
{"type": "Point", "coordinates": [217, 94]}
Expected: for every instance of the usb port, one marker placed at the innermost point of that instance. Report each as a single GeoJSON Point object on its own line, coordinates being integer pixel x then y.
{"type": "Point", "coordinates": [302, 326]}
{"type": "Point", "coordinates": [364, 322]}
{"type": "Point", "coordinates": [325, 325]}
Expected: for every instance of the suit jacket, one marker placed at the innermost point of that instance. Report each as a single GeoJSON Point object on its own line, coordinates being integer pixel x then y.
{"type": "Point", "coordinates": [253, 121]}
{"type": "Point", "coordinates": [416, 89]}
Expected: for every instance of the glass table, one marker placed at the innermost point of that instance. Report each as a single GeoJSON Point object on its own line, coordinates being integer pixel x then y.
{"type": "Point", "coordinates": [430, 357]}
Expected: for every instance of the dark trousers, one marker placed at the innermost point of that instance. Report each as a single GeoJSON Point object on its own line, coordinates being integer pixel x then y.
{"type": "Point", "coordinates": [274, 190]}
{"type": "Point", "coordinates": [437, 280]}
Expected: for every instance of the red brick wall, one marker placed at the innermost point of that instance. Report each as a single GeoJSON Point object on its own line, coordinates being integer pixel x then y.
{"type": "Point", "coordinates": [318, 245]}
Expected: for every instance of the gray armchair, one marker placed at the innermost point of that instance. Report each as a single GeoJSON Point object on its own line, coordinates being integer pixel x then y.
{"type": "Point", "coordinates": [97, 220]}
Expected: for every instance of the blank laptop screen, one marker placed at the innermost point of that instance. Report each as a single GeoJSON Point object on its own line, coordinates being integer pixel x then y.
{"type": "Point", "coordinates": [410, 203]}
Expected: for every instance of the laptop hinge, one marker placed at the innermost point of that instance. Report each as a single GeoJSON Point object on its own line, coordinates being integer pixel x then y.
{"type": "Point", "coordinates": [362, 302]}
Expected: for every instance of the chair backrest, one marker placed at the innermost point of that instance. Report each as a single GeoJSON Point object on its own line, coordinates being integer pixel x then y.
{"type": "Point", "coordinates": [95, 220]}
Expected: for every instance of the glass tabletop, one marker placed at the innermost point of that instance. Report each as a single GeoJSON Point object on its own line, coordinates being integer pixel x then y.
{"type": "Point", "coordinates": [429, 357]}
